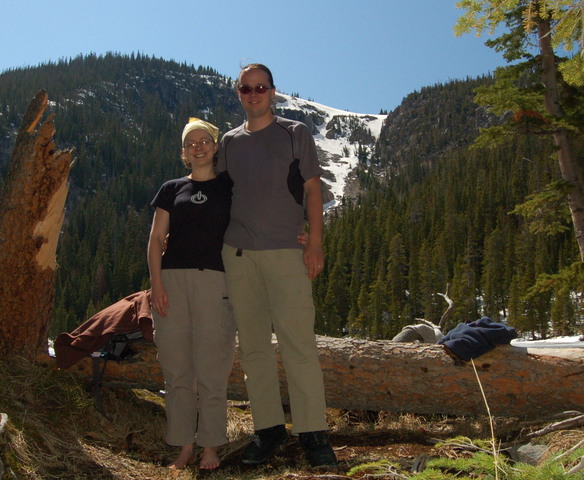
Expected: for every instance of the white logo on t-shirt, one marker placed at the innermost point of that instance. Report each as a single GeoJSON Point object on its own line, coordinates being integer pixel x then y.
{"type": "Point", "coordinates": [199, 197]}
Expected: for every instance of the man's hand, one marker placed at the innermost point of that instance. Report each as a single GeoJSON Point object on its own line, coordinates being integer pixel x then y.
{"type": "Point", "coordinates": [313, 260]}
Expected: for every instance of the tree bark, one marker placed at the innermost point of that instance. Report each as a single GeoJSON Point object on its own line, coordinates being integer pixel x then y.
{"type": "Point", "coordinates": [570, 168]}
{"type": "Point", "coordinates": [415, 378]}
{"type": "Point", "coordinates": [31, 215]}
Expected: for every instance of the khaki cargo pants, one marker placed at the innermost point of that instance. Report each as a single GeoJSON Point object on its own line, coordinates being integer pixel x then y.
{"type": "Point", "coordinates": [270, 291]}
{"type": "Point", "coordinates": [196, 348]}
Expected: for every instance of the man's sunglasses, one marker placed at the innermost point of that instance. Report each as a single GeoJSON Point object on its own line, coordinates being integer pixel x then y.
{"type": "Point", "coordinates": [246, 89]}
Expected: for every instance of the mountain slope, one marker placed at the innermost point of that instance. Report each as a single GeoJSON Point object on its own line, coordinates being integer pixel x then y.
{"type": "Point", "coordinates": [116, 109]}
{"type": "Point", "coordinates": [409, 172]}
{"type": "Point", "coordinates": [343, 139]}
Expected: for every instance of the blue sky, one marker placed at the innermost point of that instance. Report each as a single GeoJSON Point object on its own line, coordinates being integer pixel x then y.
{"type": "Point", "coordinates": [359, 55]}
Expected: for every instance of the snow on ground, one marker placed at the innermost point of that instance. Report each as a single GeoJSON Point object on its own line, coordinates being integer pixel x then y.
{"type": "Point", "coordinates": [338, 163]}
{"type": "Point", "coordinates": [571, 341]}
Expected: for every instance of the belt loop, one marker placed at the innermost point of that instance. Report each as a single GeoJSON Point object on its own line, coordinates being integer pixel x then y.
{"type": "Point", "coordinates": [239, 252]}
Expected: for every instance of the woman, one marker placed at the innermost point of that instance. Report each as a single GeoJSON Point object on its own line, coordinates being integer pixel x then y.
{"type": "Point", "coordinates": [193, 325]}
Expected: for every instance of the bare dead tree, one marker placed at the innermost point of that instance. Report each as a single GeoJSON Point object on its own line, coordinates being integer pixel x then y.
{"type": "Point", "coordinates": [31, 215]}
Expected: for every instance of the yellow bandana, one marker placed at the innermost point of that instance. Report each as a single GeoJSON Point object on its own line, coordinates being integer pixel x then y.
{"type": "Point", "coordinates": [197, 123]}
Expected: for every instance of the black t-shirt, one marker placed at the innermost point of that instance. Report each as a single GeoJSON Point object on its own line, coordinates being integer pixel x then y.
{"type": "Point", "coordinates": [199, 214]}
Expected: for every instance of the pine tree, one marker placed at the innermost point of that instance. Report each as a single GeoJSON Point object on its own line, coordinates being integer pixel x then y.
{"type": "Point", "coordinates": [563, 314]}
{"type": "Point", "coordinates": [397, 275]}
{"type": "Point", "coordinates": [495, 284]}
{"type": "Point", "coordinates": [378, 304]}
{"type": "Point", "coordinates": [548, 110]}
{"type": "Point", "coordinates": [463, 293]}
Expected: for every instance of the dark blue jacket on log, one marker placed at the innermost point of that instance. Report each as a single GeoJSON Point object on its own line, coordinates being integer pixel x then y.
{"type": "Point", "coordinates": [470, 340]}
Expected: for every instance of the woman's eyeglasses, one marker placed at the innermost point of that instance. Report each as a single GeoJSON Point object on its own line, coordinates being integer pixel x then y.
{"type": "Point", "coordinates": [246, 89]}
{"type": "Point", "coordinates": [203, 143]}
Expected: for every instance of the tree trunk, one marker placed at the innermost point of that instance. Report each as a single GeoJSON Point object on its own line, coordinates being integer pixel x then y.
{"type": "Point", "coordinates": [570, 169]}
{"type": "Point", "coordinates": [31, 215]}
{"type": "Point", "coordinates": [415, 378]}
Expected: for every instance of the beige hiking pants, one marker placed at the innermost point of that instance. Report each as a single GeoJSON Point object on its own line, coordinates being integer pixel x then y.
{"type": "Point", "coordinates": [196, 347]}
{"type": "Point", "coordinates": [270, 291]}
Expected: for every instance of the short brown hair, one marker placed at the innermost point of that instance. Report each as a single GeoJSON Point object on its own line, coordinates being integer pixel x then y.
{"type": "Point", "coordinates": [254, 66]}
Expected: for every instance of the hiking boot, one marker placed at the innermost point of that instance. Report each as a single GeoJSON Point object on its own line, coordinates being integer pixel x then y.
{"type": "Point", "coordinates": [263, 443]}
{"type": "Point", "coordinates": [318, 449]}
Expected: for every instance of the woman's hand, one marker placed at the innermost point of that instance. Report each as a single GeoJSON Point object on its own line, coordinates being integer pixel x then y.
{"type": "Point", "coordinates": [159, 299]}
{"type": "Point", "coordinates": [303, 238]}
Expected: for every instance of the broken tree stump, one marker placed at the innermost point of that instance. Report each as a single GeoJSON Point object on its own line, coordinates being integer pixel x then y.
{"type": "Point", "coordinates": [414, 378]}
{"type": "Point", "coordinates": [31, 214]}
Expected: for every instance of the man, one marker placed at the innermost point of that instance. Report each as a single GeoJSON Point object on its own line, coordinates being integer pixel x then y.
{"type": "Point", "coordinates": [274, 166]}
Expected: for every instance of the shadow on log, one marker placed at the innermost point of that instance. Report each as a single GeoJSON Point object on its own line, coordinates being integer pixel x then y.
{"type": "Point", "coordinates": [415, 378]}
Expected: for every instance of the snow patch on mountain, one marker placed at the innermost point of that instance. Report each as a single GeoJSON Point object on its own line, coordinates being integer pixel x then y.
{"type": "Point", "coordinates": [343, 139]}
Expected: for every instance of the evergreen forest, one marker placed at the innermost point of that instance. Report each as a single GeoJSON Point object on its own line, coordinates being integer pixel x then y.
{"type": "Point", "coordinates": [433, 211]}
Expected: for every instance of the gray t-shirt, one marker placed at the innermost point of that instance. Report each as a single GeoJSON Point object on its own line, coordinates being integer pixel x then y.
{"type": "Point", "coordinates": [268, 169]}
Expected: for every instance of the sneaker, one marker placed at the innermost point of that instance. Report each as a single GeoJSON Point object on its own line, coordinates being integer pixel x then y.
{"type": "Point", "coordinates": [318, 449]}
{"type": "Point", "coordinates": [263, 443]}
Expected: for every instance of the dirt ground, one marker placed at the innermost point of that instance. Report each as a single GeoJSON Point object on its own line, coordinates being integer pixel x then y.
{"type": "Point", "coordinates": [50, 413]}
{"type": "Point", "coordinates": [358, 438]}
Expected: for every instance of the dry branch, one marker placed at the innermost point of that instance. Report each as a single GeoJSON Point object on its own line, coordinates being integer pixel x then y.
{"type": "Point", "coordinates": [567, 452]}
{"type": "Point", "coordinates": [446, 315]}
{"type": "Point", "coordinates": [563, 425]}
{"type": "Point", "coordinates": [577, 467]}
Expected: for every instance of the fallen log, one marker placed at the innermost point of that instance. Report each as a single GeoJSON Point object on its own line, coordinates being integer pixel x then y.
{"type": "Point", "coordinates": [415, 378]}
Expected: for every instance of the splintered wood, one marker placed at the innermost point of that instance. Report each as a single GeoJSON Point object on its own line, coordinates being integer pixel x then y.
{"type": "Point", "coordinates": [31, 214]}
